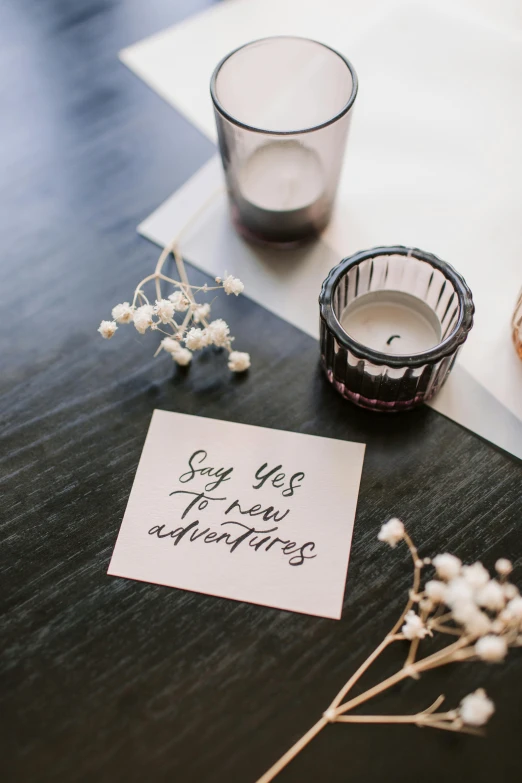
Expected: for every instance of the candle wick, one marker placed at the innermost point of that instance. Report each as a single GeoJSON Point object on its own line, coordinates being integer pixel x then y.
{"type": "Point", "coordinates": [388, 341]}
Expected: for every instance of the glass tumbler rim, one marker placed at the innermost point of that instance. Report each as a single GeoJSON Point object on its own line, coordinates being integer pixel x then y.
{"type": "Point", "coordinates": [239, 123]}
{"type": "Point", "coordinates": [444, 349]}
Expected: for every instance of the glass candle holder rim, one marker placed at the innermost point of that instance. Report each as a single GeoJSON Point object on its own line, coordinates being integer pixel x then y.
{"type": "Point", "coordinates": [445, 348]}
{"type": "Point", "coordinates": [235, 121]}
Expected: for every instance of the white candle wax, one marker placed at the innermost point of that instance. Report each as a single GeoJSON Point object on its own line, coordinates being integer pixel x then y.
{"type": "Point", "coordinates": [280, 191]}
{"type": "Point", "coordinates": [282, 176]}
{"type": "Point", "coordinates": [392, 322]}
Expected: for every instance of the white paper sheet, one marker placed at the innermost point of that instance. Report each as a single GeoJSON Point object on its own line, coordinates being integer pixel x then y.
{"type": "Point", "coordinates": [433, 158]}
{"type": "Point", "coordinates": [242, 512]}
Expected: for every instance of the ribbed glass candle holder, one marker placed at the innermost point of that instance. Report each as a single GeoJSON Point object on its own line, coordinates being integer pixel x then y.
{"type": "Point", "coordinates": [420, 291]}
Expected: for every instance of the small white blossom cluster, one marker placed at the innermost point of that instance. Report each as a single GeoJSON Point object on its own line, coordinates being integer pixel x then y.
{"type": "Point", "coordinates": [232, 285]}
{"type": "Point", "coordinates": [466, 601]}
{"type": "Point", "coordinates": [392, 532]}
{"type": "Point", "coordinates": [216, 333]}
{"type": "Point", "coordinates": [414, 627]}
{"type": "Point", "coordinates": [188, 321]}
{"type": "Point", "coordinates": [180, 355]}
{"type": "Point", "coordinates": [487, 609]}
{"type": "Point", "coordinates": [476, 709]}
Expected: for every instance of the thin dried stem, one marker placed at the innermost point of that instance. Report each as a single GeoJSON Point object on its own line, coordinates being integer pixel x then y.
{"type": "Point", "coordinates": [446, 655]}
{"type": "Point", "coordinates": [294, 750]}
{"type": "Point", "coordinates": [436, 626]}
{"type": "Point", "coordinates": [157, 276]}
{"type": "Point", "coordinates": [186, 320]}
{"type": "Point", "coordinates": [435, 706]}
{"type": "Point", "coordinates": [181, 269]}
{"type": "Point", "coordinates": [392, 636]}
{"type": "Point", "coordinates": [360, 671]}
{"type": "Point", "coordinates": [441, 618]}
{"type": "Point", "coordinates": [415, 642]}
{"type": "Point", "coordinates": [462, 729]}
{"type": "Point", "coordinates": [412, 652]}
{"type": "Point", "coordinates": [379, 688]}
{"type": "Point", "coordinates": [396, 718]}
{"type": "Point", "coordinates": [418, 718]}
{"type": "Point", "coordinates": [427, 718]}
{"type": "Point", "coordinates": [417, 567]}
{"type": "Point", "coordinates": [174, 246]}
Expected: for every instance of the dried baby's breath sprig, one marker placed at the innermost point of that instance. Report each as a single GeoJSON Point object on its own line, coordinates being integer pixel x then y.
{"type": "Point", "coordinates": [481, 613]}
{"type": "Point", "coordinates": [238, 361]}
{"type": "Point", "coordinates": [184, 321]}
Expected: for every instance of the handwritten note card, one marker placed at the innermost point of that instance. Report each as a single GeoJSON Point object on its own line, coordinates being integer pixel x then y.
{"type": "Point", "coordinates": [242, 512]}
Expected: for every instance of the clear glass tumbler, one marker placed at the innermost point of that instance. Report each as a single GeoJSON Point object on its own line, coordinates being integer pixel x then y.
{"type": "Point", "coordinates": [283, 108]}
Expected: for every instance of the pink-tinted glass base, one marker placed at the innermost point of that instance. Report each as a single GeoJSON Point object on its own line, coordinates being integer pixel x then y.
{"type": "Point", "coordinates": [394, 406]}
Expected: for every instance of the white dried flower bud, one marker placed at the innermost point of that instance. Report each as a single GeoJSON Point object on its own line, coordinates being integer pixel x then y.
{"type": "Point", "coordinates": [413, 627]}
{"type": "Point", "coordinates": [426, 605]}
{"type": "Point", "coordinates": [392, 532]}
{"type": "Point", "coordinates": [491, 596]}
{"type": "Point", "coordinates": [436, 591]}
{"type": "Point", "coordinates": [478, 624]}
{"type": "Point", "coordinates": [503, 566]}
{"type": "Point", "coordinates": [196, 338]}
{"type": "Point", "coordinates": [238, 361]}
{"type": "Point", "coordinates": [219, 332]}
{"type": "Point", "coordinates": [499, 625]}
{"type": "Point", "coordinates": [514, 608]}
{"type": "Point", "coordinates": [164, 309]}
{"type": "Point", "coordinates": [458, 591]}
{"type": "Point", "coordinates": [447, 566]}
{"type": "Point", "coordinates": [510, 591]}
{"type": "Point", "coordinates": [170, 345]}
{"type": "Point", "coordinates": [200, 312]}
{"type": "Point", "coordinates": [182, 357]}
{"type": "Point", "coordinates": [475, 575]}
{"type": "Point", "coordinates": [233, 285]}
{"type": "Point", "coordinates": [491, 648]}
{"type": "Point", "coordinates": [122, 313]}
{"type": "Point", "coordinates": [476, 709]}
{"type": "Point", "coordinates": [475, 622]}
{"type": "Point", "coordinates": [143, 318]}
{"type": "Point", "coordinates": [107, 329]}
{"type": "Point", "coordinates": [180, 301]}
{"type": "Point", "coordinates": [505, 618]}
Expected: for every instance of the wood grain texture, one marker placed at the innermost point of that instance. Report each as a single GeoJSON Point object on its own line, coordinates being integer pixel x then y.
{"type": "Point", "coordinates": [109, 680]}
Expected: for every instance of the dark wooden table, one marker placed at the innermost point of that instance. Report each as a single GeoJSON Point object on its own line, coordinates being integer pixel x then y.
{"type": "Point", "coordinates": [111, 680]}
